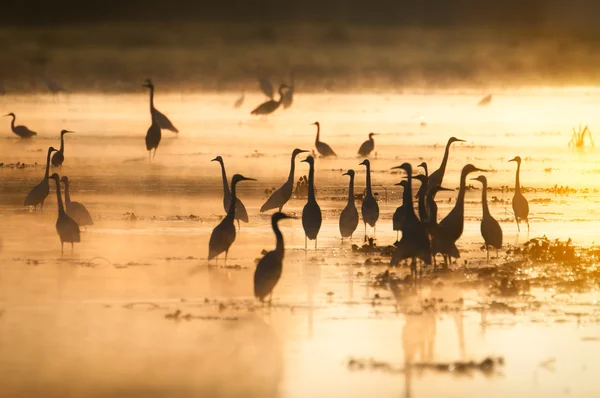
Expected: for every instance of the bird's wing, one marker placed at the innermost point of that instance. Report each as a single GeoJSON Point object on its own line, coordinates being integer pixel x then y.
{"type": "Point", "coordinates": [79, 213]}
{"type": "Point", "coordinates": [266, 86]}
{"type": "Point", "coordinates": [240, 211]}
{"type": "Point", "coordinates": [164, 121]}
{"type": "Point", "coordinates": [277, 199]}
{"type": "Point", "coordinates": [266, 275]}
{"type": "Point", "coordinates": [37, 194]}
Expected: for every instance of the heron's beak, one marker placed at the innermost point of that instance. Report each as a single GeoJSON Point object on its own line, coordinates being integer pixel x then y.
{"type": "Point", "coordinates": [249, 179]}
{"type": "Point", "coordinates": [315, 123]}
{"type": "Point", "coordinates": [485, 171]}
{"type": "Point", "coordinates": [445, 189]}
{"type": "Point", "coordinates": [304, 150]}
{"type": "Point", "coordinates": [8, 114]}
{"type": "Point", "coordinates": [304, 161]}
{"type": "Point", "coordinates": [214, 160]}
{"type": "Point", "coordinates": [68, 131]}
{"type": "Point", "coordinates": [400, 183]}
{"type": "Point", "coordinates": [346, 174]}
{"type": "Point", "coordinates": [396, 167]}
{"type": "Point", "coordinates": [457, 140]}
{"type": "Point", "coordinates": [362, 163]}
{"type": "Point", "coordinates": [513, 160]}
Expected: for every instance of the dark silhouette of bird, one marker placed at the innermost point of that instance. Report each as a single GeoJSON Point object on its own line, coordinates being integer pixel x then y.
{"type": "Point", "coordinates": [265, 86]}
{"type": "Point", "coordinates": [21, 131]}
{"type": "Point", "coordinates": [53, 85]}
{"type": "Point", "coordinates": [40, 192]}
{"type": "Point", "coordinates": [240, 101]}
{"type": "Point", "coordinates": [349, 216]}
{"type": "Point", "coordinates": [369, 208]}
{"type": "Point", "coordinates": [437, 177]}
{"type": "Point", "coordinates": [76, 210]}
{"type": "Point", "coordinates": [432, 210]}
{"type": "Point", "coordinates": [67, 228]}
{"type": "Point", "coordinates": [223, 235]}
{"type": "Point", "coordinates": [421, 197]}
{"type": "Point", "coordinates": [311, 213]}
{"type": "Point", "coordinates": [153, 137]}
{"type": "Point", "coordinates": [161, 119]}
{"type": "Point", "coordinates": [323, 149]}
{"type": "Point", "coordinates": [280, 197]}
{"type": "Point", "coordinates": [271, 105]}
{"type": "Point", "coordinates": [399, 215]}
{"type": "Point", "coordinates": [485, 101]}
{"type": "Point", "coordinates": [268, 270]}
{"type": "Point", "coordinates": [519, 203]}
{"type": "Point", "coordinates": [240, 210]}
{"type": "Point", "coordinates": [59, 157]}
{"type": "Point", "coordinates": [490, 229]}
{"type": "Point", "coordinates": [288, 97]}
{"type": "Point", "coordinates": [367, 147]}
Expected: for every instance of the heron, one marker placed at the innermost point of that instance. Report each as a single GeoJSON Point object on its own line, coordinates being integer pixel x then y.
{"type": "Point", "coordinates": [519, 203]}
{"type": "Point", "coordinates": [367, 147]}
{"type": "Point", "coordinates": [153, 137]}
{"type": "Point", "coordinates": [324, 149]}
{"type": "Point", "coordinates": [288, 97]}
{"type": "Point", "coordinates": [490, 229]}
{"type": "Point", "coordinates": [432, 209]}
{"type": "Point", "coordinates": [161, 119]}
{"type": "Point", "coordinates": [59, 157]}
{"type": "Point", "coordinates": [76, 210]}
{"type": "Point", "coordinates": [40, 192]}
{"type": "Point", "coordinates": [415, 242]}
{"type": "Point", "coordinates": [349, 216]}
{"type": "Point", "coordinates": [311, 213]}
{"type": "Point", "coordinates": [67, 228]}
{"type": "Point", "coordinates": [53, 85]}
{"type": "Point", "coordinates": [437, 177]}
{"type": "Point", "coordinates": [421, 198]}
{"type": "Point", "coordinates": [271, 105]}
{"type": "Point", "coordinates": [223, 235]}
{"type": "Point", "coordinates": [369, 208]}
{"type": "Point", "coordinates": [280, 197]}
{"type": "Point", "coordinates": [240, 100]}
{"type": "Point", "coordinates": [265, 86]}
{"type": "Point", "coordinates": [450, 229]}
{"type": "Point", "coordinates": [268, 270]}
{"type": "Point", "coordinates": [399, 216]}
{"type": "Point", "coordinates": [21, 131]}
{"type": "Point", "coordinates": [240, 210]}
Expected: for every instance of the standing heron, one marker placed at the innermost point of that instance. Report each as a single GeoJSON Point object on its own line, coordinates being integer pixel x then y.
{"type": "Point", "coordinates": [437, 176]}
{"type": "Point", "coordinates": [153, 137]}
{"type": "Point", "coordinates": [223, 235]}
{"type": "Point", "coordinates": [399, 215]}
{"type": "Point", "coordinates": [280, 197]}
{"type": "Point", "coordinates": [432, 210]}
{"type": "Point", "coordinates": [367, 147]}
{"type": "Point", "coordinates": [240, 100]}
{"type": "Point", "coordinates": [288, 97]}
{"type": "Point", "coordinates": [161, 119]}
{"type": "Point", "coordinates": [76, 210]}
{"type": "Point", "coordinates": [268, 270]}
{"type": "Point", "coordinates": [349, 216]}
{"type": "Point", "coordinates": [271, 105]}
{"type": "Point", "coordinates": [21, 131]}
{"type": "Point", "coordinates": [59, 157]}
{"type": "Point", "coordinates": [490, 229]}
{"type": "Point", "coordinates": [421, 198]}
{"type": "Point", "coordinates": [40, 192]}
{"type": "Point", "coordinates": [369, 208]}
{"type": "Point", "coordinates": [324, 149]}
{"type": "Point", "coordinates": [311, 213]}
{"type": "Point", "coordinates": [67, 228]}
{"type": "Point", "coordinates": [519, 203]}
{"type": "Point", "coordinates": [240, 210]}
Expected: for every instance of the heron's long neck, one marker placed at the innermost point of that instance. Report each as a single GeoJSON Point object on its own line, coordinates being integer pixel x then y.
{"type": "Point", "coordinates": [311, 184]}
{"type": "Point", "coordinates": [318, 134]}
{"type": "Point", "coordinates": [445, 159]}
{"type": "Point", "coordinates": [292, 169]}
{"type": "Point", "coordinates": [67, 194]}
{"type": "Point", "coordinates": [407, 196]}
{"type": "Point", "coordinates": [486, 209]}
{"type": "Point", "coordinates": [12, 124]}
{"type": "Point", "coordinates": [151, 98]}
{"type": "Point", "coordinates": [225, 185]}
{"type": "Point", "coordinates": [61, 209]}
{"type": "Point", "coordinates": [426, 171]}
{"type": "Point", "coordinates": [281, 94]}
{"type": "Point", "coordinates": [461, 192]}
{"type": "Point", "coordinates": [369, 193]}
{"type": "Point", "coordinates": [279, 237]}
{"type": "Point", "coordinates": [422, 208]}
{"type": "Point", "coordinates": [62, 142]}
{"type": "Point", "coordinates": [518, 179]}
{"type": "Point", "coordinates": [351, 191]}
{"type": "Point", "coordinates": [231, 211]}
{"type": "Point", "coordinates": [432, 207]}
{"type": "Point", "coordinates": [48, 164]}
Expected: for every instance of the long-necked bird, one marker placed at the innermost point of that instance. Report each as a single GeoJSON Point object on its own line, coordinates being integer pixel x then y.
{"type": "Point", "coordinates": [437, 176]}
{"type": "Point", "coordinates": [369, 208]}
{"type": "Point", "coordinates": [59, 157]}
{"type": "Point", "coordinates": [161, 119]}
{"type": "Point", "coordinates": [39, 193]}
{"type": "Point", "coordinates": [490, 229]}
{"type": "Point", "coordinates": [519, 203]}
{"type": "Point", "coordinates": [67, 228]}
{"type": "Point", "coordinates": [280, 197]}
{"type": "Point", "coordinates": [153, 136]}
{"type": "Point", "coordinates": [311, 213]}
{"type": "Point", "coordinates": [323, 149]}
{"type": "Point", "coordinates": [349, 216]}
{"type": "Point", "coordinates": [399, 215]}
{"type": "Point", "coordinates": [21, 131]}
{"type": "Point", "coordinates": [240, 210]}
{"type": "Point", "coordinates": [271, 105]}
{"type": "Point", "coordinates": [367, 147]}
{"type": "Point", "coordinates": [76, 210]}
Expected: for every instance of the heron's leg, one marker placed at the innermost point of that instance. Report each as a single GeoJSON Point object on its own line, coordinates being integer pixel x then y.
{"type": "Point", "coordinates": [42, 205]}
{"type": "Point", "coordinates": [239, 226]}
{"type": "Point", "coordinates": [496, 253]}
{"type": "Point", "coordinates": [315, 244]}
{"type": "Point", "coordinates": [527, 225]}
{"type": "Point", "coordinates": [62, 247]}
{"type": "Point", "coordinates": [365, 231]}
{"type": "Point", "coordinates": [517, 221]}
{"type": "Point", "coordinates": [375, 230]}
{"type": "Point", "coordinates": [226, 253]}
{"type": "Point", "coordinates": [153, 156]}
{"type": "Point", "coordinates": [150, 156]}
{"type": "Point", "coordinates": [280, 208]}
{"type": "Point", "coordinates": [305, 242]}
{"type": "Point", "coordinates": [397, 235]}
{"type": "Point", "coordinates": [487, 249]}
{"type": "Point", "coordinates": [72, 245]}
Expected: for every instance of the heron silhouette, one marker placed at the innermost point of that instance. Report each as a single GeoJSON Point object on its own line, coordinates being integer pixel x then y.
{"type": "Point", "coordinates": [271, 105]}
{"type": "Point", "coordinates": [436, 178]}
{"type": "Point", "coordinates": [490, 229]}
{"type": "Point", "coordinates": [323, 149]}
{"type": "Point", "coordinates": [153, 137]}
{"type": "Point", "coordinates": [519, 203]}
{"type": "Point", "coordinates": [21, 131]}
{"type": "Point", "coordinates": [367, 147]}
{"type": "Point", "coordinates": [311, 213]}
{"type": "Point", "coordinates": [39, 193]}
{"type": "Point", "coordinates": [67, 228]}
{"type": "Point", "coordinates": [399, 215]}
{"type": "Point", "coordinates": [369, 208]}
{"type": "Point", "coordinates": [162, 120]}
{"type": "Point", "coordinates": [240, 210]}
{"type": "Point", "coordinates": [280, 197]}
{"type": "Point", "coordinates": [349, 216]}
{"type": "Point", "coordinates": [76, 210]}
{"type": "Point", "coordinates": [59, 157]}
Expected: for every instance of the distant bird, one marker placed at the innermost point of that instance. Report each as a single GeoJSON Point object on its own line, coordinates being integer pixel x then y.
{"type": "Point", "coordinates": [485, 100]}
{"type": "Point", "coordinates": [436, 178]}
{"type": "Point", "coordinates": [161, 119]}
{"type": "Point", "coordinates": [53, 85]}
{"type": "Point", "coordinates": [367, 147]}
{"type": "Point", "coordinates": [288, 97]}
{"type": "Point", "coordinates": [271, 105]}
{"type": "Point", "coordinates": [490, 229]}
{"type": "Point", "coordinates": [311, 213]}
{"type": "Point", "coordinates": [450, 229]}
{"type": "Point", "coordinates": [323, 149]}
{"type": "Point", "coordinates": [59, 157]}
{"type": "Point", "coordinates": [76, 210]}
{"type": "Point", "coordinates": [153, 137]}
{"type": "Point", "coordinates": [268, 270]}
{"type": "Point", "coordinates": [40, 192]}
{"type": "Point", "coordinates": [67, 228]}
{"type": "Point", "coordinates": [399, 215]}
{"type": "Point", "coordinates": [21, 131]}
{"type": "Point", "coordinates": [240, 100]}
{"type": "Point", "coordinates": [223, 235]}
{"type": "Point", "coordinates": [369, 208]}
{"type": "Point", "coordinates": [519, 203]}
{"type": "Point", "coordinates": [240, 210]}
{"type": "Point", "coordinates": [349, 216]}
{"type": "Point", "coordinates": [280, 197]}
{"type": "Point", "coordinates": [265, 86]}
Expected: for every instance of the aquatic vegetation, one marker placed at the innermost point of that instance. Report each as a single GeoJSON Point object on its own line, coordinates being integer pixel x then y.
{"type": "Point", "coordinates": [578, 138]}
{"type": "Point", "coordinates": [487, 366]}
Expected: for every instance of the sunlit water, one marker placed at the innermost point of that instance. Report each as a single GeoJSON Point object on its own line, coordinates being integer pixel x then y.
{"type": "Point", "coordinates": [97, 323]}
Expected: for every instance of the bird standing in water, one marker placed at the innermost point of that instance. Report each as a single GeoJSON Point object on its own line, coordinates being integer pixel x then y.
{"type": "Point", "coordinates": [369, 207]}
{"type": "Point", "coordinates": [153, 137]}
{"type": "Point", "coordinates": [519, 203]}
{"type": "Point", "coordinates": [399, 215]}
{"type": "Point", "coordinates": [67, 228]}
{"type": "Point", "coordinates": [40, 192]}
{"type": "Point", "coordinates": [161, 119]}
{"type": "Point", "coordinates": [59, 157]}
{"type": "Point", "coordinates": [437, 176]}
{"type": "Point", "coordinates": [240, 210]}
{"type": "Point", "coordinates": [324, 149]}
{"type": "Point", "coordinates": [311, 213]}
{"type": "Point", "coordinates": [280, 197]}
{"type": "Point", "coordinates": [367, 147]}
{"type": "Point", "coordinates": [21, 131]}
{"type": "Point", "coordinates": [349, 216]}
{"type": "Point", "coordinates": [490, 229]}
{"type": "Point", "coordinates": [268, 270]}
{"type": "Point", "coordinates": [271, 105]}
{"type": "Point", "coordinates": [76, 210]}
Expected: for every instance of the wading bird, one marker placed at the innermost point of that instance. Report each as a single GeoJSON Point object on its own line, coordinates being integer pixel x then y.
{"type": "Point", "coordinates": [240, 210]}
{"type": "Point", "coordinates": [223, 235]}
{"type": "Point", "coordinates": [271, 105]}
{"type": "Point", "coordinates": [399, 216]}
{"type": "Point", "coordinates": [288, 97]}
{"type": "Point", "coordinates": [432, 209]}
{"type": "Point", "coordinates": [59, 157]}
{"type": "Point", "coordinates": [21, 131]}
{"type": "Point", "coordinates": [53, 85]}
{"type": "Point", "coordinates": [280, 197]}
{"type": "Point", "coordinates": [161, 119]}
{"type": "Point", "coordinates": [367, 147]}
{"type": "Point", "coordinates": [490, 229]}
{"type": "Point", "coordinates": [76, 210]}
{"type": "Point", "coordinates": [323, 149]}
{"type": "Point", "coordinates": [265, 86]}
{"type": "Point", "coordinates": [311, 213]}
{"type": "Point", "coordinates": [153, 137]}
{"type": "Point", "coordinates": [40, 192]}
{"type": "Point", "coordinates": [437, 176]}
{"type": "Point", "coordinates": [268, 270]}
{"type": "Point", "coordinates": [519, 203]}
{"type": "Point", "coordinates": [67, 228]}
{"type": "Point", "coordinates": [369, 208]}
{"type": "Point", "coordinates": [421, 197]}
{"type": "Point", "coordinates": [349, 216]}
{"type": "Point", "coordinates": [240, 100]}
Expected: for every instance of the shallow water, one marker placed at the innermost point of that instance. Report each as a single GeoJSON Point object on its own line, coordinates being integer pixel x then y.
{"type": "Point", "coordinates": [104, 321]}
